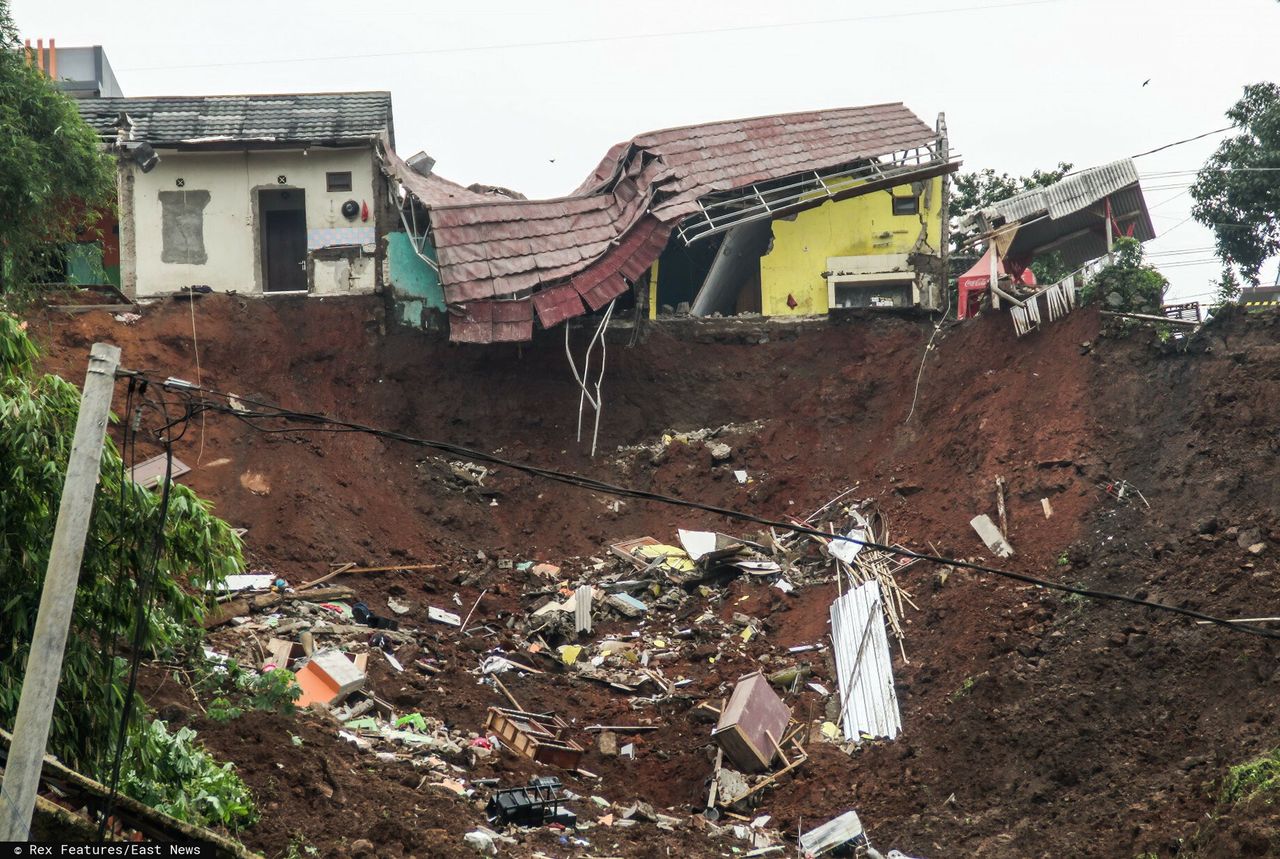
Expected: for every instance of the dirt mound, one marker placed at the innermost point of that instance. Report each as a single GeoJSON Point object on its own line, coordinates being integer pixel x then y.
{"type": "Point", "coordinates": [1034, 725]}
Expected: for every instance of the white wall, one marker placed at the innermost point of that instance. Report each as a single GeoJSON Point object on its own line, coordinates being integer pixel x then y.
{"type": "Point", "coordinates": [230, 224]}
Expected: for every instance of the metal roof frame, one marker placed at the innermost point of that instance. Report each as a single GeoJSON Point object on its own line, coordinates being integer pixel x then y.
{"type": "Point", "coordinates": [718, 213]}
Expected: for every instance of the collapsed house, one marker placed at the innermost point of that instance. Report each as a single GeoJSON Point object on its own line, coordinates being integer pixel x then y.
{"type": "Point", "coordinates": [783, 215]}
{"type": "Point", "coordinates": [1079, 218]}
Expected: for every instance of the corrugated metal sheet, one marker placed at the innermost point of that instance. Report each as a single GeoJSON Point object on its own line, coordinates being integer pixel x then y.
{"type": "Point", "coordinates": [617, 222]}
{"type": "Point", "coordinates": [1089, 186]}
{"type": "Point", "coordinates": [1068, 217]}
{"type": "Point", "coordinates": [1069, 195]}
{"type": "Point", "coordinates": [583, 598]}
{"type": "Point", "coordinates": [863, 665]}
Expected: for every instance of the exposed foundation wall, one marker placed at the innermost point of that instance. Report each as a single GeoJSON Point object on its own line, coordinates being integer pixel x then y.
{"type": "Point", "coordinates": [196, 220]}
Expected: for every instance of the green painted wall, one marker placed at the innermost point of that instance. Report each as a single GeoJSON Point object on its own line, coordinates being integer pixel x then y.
{"type": "Point", "coordinates": [416, 286]}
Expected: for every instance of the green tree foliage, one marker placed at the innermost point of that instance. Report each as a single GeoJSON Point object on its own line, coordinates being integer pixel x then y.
{"type": "Point", "coordinates": [1237, 192]}
{"type": "Point", "coordinates": [52, 167]}
{"type": "Point", "coordinates": [1228, 286]}
{"type": "Point", "coordinates": [982, 188]}
{"type": "Point", "coordinates": [172, 773]}
{"type": "Point", "coordinates": [37, 423]}
{"type": "Point", "coordinates": [1128, 284]}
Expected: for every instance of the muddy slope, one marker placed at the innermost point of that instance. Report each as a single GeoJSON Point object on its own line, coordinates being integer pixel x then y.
{"type": "Point", "coordinates": [1034, 725]}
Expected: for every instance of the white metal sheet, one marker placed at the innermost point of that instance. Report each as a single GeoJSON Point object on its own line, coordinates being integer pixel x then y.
{"type": "Point", "coordinates": [863, 665]}
{"type": "Point", "coordinates": [831, 834]}
{"type": "Point", "coordinates": [582, 608]}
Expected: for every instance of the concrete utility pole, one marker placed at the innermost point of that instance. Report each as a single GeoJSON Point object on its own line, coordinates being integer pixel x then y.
{"type": "Point", "coordinates": [44, 662]}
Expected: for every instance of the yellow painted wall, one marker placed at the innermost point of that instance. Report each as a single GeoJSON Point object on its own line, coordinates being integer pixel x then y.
{"type": "Point", "coordinates": [853, 227]}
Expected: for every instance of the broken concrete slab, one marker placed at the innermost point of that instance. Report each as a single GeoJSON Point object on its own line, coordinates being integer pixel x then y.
{"type": "Point", "coordinates": [991, 535]}
{"type": "Point", "coordinates": [607, 742]}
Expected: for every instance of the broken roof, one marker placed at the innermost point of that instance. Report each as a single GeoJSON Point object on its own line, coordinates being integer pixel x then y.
{"type": "Point", "coordinates": [1069, 216]}
{"type": "Point", "coordinates": [612, 227]}
{"type": "Point", "coordinates": [301, 118]}
{"type": "Point", "coordinates": [430, 189]}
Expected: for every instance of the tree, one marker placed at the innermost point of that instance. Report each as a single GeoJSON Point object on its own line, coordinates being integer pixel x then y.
{"type": "Point", "coordinates": [1237, 192]}
{"type": "Point", "coordinates": [983, 188]}
{"type": "Point", "coordinates": [53, 171]}
{"type": "Point", "coordinates": [1228, 286]}
{"type": "Point", "coordinates": [1128, 284]}
{"type": "Point", "coordinates": [970, 191]}
{"type": "Point", "coordinates": [37, 423]}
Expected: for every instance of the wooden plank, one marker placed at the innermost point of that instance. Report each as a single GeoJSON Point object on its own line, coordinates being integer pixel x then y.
{"type": "Point", "coordinates": [1000, 510]}
{"type": "Point", "coordinates": [505, 691]}
{"type": "Point", "coordinates": [767, 781]}
{"type": "Point", "coordinates": [311, 584]}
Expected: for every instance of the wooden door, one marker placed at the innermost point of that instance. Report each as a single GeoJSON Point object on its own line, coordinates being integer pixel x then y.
{"type": "Point", "coordinates": [285, 248]}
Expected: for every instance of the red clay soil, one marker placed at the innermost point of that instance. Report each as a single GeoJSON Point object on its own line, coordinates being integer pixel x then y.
{"type": "Point", "coordinates": [1034, 725]}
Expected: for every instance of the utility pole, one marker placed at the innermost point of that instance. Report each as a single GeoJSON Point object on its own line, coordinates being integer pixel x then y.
{"type": "Point", "coordinates": [44, 662]}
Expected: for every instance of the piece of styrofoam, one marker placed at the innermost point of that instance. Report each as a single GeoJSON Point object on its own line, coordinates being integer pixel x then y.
{"type": "Point", "coordinates": [863, 665]}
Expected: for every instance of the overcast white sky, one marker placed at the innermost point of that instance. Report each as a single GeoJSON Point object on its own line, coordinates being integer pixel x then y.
{"type": "Point", "coordinates": [530, 94]}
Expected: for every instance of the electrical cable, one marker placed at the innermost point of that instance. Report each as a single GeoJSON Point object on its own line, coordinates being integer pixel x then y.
{"type": "Point", "coordinates": [278, 413]}
{"type": "Point", "coordinates": [1180, 142]}
{"type": "Point", "coordinates": [113, 608]}
{"type": "Point", "coordinates": [142, 611]}
{"type": "Point", "coordinates": [920, 373]}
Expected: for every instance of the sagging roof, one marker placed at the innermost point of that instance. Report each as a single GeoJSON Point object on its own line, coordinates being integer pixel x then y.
{"type": "Point", "coordinates": [584, 248]}
{"type": "Point", "coordinates": [430, 189]}
{"type": "Point", "coordinates": [315, 119]}
{"type": "Point", "coordinates": [1069, 217]}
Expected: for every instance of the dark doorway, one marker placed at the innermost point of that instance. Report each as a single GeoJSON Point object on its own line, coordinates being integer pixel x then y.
{"type": "Point", "coordinates": [284, 239]}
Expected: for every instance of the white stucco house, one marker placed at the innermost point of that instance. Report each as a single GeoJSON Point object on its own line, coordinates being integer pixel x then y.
{"type": "Point", "coordinates": [257, 194]}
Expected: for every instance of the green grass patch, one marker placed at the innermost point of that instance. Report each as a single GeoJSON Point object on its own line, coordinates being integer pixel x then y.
{"type": "Point", "coordinates": [1257, 778]}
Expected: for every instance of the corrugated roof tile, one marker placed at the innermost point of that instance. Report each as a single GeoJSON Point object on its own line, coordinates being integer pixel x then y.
{"type": "Point", "coordinates": [315, 118]}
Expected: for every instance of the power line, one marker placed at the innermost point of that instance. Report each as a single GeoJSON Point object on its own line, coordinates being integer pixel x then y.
{"type": "Point", "coordinates": [323, 423]}
{"type": "Point", "coordinates": [1169, 173]}
{"type": "Point", "coordinates": [601, 39]}
{"type": "Point", "coordinates": [1185, 140]}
